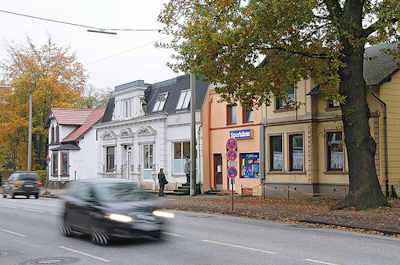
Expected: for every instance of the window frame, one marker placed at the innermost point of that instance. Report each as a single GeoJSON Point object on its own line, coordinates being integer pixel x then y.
{"type": "Point", "coordinates": [280, 105]}
{"type": "Point", "coordinates": [271, 168]}
{"type": "Point", "coordinates": [229, 114]}
{"type": "Point", "coordinates": [330, 105]}
{"type": "Point", "coordinates": [54, 164]}
{"type": "Point", "coordinates": [182, 155]}
{"type": "Point", "coordinates": [110, 162]}
{"type": "Point", "coordinates": [53, 135]}
{"type": "Point", "coordinates": [327, 157]}
{"type": "Point", "coordinates": [150, 154]}
{"type": "Point", "coordinates": [62, 169]}
{"type": "Point", "coordinates": [185, 98]}
{"type": "Point", "coordinates": [290, 151]}
{"type": "Point", "coordinates": [160, 102]}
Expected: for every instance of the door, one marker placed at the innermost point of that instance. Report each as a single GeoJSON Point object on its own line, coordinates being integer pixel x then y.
{"type": "Point", "coordinates": [77, 206]}
{"type": "Point", "coordinates": [218, 171]}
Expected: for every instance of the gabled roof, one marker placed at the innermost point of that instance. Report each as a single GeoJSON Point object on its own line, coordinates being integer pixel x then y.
{"type": "Point", "coordinates": [68, 116]}
{"type": "Point", "coordinates": [94, 117]}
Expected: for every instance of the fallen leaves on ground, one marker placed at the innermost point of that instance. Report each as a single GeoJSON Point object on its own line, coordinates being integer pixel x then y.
{"type": "Point", "coordinates": [314, 209]}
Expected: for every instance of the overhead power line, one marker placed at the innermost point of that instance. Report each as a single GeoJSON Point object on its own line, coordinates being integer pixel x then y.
{"type": "Point", "coordinates": [102, 30]}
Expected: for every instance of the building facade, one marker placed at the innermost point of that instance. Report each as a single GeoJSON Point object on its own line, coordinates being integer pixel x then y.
{"type": "Point", "coordinates": [305, 152]}
{"type": "Point", "coordinates": [147, 127]}
{"type": "Point", "coordinates": [72, 144]}
{"type": "Point", "coordinates": [221, 122]}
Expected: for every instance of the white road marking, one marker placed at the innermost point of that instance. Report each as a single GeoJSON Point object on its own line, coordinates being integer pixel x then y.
{"type": "Point", "coordinates": [13, 233]}
{"type": "Point", "coordinates": [238, 246]}
{"type": "Point", "coordinates": [85, 254]}
{"type": "Point", "coordinates": [173, 234]}
{"type": "Point", "coordinates": [320, 262]}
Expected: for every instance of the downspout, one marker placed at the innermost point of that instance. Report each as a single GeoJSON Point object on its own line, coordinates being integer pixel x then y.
{"type": "Point", "coordinates": [386, 142]}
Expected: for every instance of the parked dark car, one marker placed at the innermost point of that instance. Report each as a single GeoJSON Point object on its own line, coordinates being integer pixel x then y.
{"type": "Point", "coordinates": [106, 209]}
{"type": "Point", "coordinates": [24, 183]}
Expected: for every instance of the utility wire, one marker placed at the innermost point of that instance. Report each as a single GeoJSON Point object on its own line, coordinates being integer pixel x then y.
{"type": "Point", "coordinates": [73, 24]}
{"type": "Point", "coordinates": [126, 51]}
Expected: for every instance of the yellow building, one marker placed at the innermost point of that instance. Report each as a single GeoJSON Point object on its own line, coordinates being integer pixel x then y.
{"type": "Point", "coordinates": [304, 149]}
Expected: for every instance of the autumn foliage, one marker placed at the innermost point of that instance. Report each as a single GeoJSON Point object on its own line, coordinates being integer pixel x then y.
{"type": "Point", "coordinates": [55, 78]}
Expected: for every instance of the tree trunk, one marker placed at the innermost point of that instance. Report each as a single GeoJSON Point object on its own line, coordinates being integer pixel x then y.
{"type": "Point", "coordinates": [364, 190]}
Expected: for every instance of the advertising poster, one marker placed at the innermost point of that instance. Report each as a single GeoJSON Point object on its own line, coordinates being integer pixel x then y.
{"type": "Point", "coordinates": [250, 165]}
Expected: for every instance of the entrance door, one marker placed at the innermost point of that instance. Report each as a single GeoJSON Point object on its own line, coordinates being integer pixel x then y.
{"type": "Point", "coordinates": [218, 171]}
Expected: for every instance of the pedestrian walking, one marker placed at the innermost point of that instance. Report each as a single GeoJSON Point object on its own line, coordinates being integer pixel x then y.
{"type": "Point", "coordinates": [187, 169]}
{"type": "Point", "coordinates": [162, 181]}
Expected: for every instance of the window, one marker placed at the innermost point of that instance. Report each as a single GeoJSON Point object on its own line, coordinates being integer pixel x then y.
{"type": "Point", "coordinates": [57, 134]}
{"type": "Point", "coordinates": [127, 108]}
{"type": "Point", "coordinates": [110, 154]}
{"type": "Point", "coordinates": [249, 165]}
{"type": "Point", "coordinates": [53, 135]}
{"type": "Point", "coordinates": [184, 99]}
{"type": "Point", "coordinates": [335, 151]}
{"type": "Point", "coordinates": [232, 114]}
{"type": "Point", "coordinates": [296, 152]}
{"type": "Point", "coordinates": [281, 103]}
{"type": "Point", "coordinates": [54, 164]}
{"type": "Point", "coordinates": [148, 156]}
{"type": "Point", "coordinates": [64, 164]}
{"type": "Point", "coordinates": [248, 116]}
{"type": "Point", "coordinates": [181, 151]}
{"type": "Point", "coordinates": [160, 102]}
{"type": "Point", "coordinates": [333, 104]}
{"type": "Point", "coordinates": [276, 154]}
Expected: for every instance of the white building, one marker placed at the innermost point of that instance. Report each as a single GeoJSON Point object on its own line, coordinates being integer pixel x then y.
{"type": "Point", "coordinates": [72, 144]}
{"type": "Point", "coordinates": [147, 127]}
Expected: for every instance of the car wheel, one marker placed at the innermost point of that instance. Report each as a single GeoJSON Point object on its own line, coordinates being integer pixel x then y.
{"type": "Point", "coordinates": [66, 230]}
{"type": "Point", "coordinates": [99, 237]}
{"type": "Point", "coordinates": [27, 196]}
{"type": "Point", "coordinates": [159, 235]}
{"type": "Point", "coordinates": [4, 195]}
{"type": "Point", "coordinates": [12, 196]}
{"type": "Point", "coordinates": [37, 196]}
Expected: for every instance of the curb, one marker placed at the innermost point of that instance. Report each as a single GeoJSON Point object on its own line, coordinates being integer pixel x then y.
{"type": "Point", "coordinates": [383, 231]}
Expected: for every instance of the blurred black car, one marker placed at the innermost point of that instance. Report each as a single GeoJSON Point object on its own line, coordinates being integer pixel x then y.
{"type": "Point", "coordinates": [111, 208]}
{"type": "Point", "coordinates": [24, 183]}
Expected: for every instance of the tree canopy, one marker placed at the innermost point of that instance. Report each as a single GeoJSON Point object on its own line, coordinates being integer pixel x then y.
{"type": "Point", "coordinates": [253, 49]}
{"type": "Point", "coordinates": [56, 79]}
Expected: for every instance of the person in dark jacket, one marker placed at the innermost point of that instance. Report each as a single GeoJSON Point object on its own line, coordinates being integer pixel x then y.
{"type": "Point", "coordinates": [162, 180]}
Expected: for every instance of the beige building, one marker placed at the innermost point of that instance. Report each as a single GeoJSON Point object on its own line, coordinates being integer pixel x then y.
{"type": "Point", "coordinates": [304, 148]}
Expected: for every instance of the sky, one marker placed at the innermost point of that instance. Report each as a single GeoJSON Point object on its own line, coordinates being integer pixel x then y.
{"type": "Point", "coordinates": [110, 60]}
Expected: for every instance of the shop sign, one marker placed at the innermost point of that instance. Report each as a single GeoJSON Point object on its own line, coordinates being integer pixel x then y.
{"type": "Point", "coordinates": [241, 134]}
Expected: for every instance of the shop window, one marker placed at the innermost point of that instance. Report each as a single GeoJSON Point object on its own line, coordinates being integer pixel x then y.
{"type": "Point", "coordinates": [276, 153]}
{"type": "Point", "coordinates": [296, 152]}
{"type": "Point", "coordinates": [232, 114]}
{"type": "Point", "coordinates": [281, 103]}
{"type": "Point", "coordinates": [160, 102]}
{"type": "Point", "coordinates": [184, 100]}
{"type": "Point", "coordinates": [249, 165]}
{"type": "Point", "coordinates": [110, 156]}
{"type": "Point", "coordinates": [54, 164]}
{"type": "Point", "coordinates": [248, 116]}
{"type": "Point", "coordinates": [64, 164]}
{"type": "Point", "coordinates": [335, 151]}
{"type": "Point", "coordinates": [181, 151]}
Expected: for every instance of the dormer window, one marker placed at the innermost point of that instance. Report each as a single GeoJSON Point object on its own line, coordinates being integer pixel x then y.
{"type": "Point", "coordinates": [161, 99]}
{"type": "Point", "coordinates": [127, 108]}
{"type": "Point", "coordinates": [184, 99]}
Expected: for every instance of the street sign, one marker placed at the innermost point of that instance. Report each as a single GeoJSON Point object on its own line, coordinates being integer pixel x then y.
{"type": "Point", "coordinates": [231, 144]}
{"type": "Point", "coordinates": [232, 172]}
{"type": "Point", "coordinates": [231, 155]}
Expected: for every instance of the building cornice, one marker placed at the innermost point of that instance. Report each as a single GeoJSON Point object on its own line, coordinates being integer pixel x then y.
{"type": "Point", "coordinates": [131, 121]}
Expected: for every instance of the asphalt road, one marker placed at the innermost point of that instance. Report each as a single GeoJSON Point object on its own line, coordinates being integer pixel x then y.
{"type": "Point", "coordinates": [29, 235]}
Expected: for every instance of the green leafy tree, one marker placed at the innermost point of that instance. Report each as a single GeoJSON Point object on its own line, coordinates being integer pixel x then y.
{"type": "Point", "coordinates": [255, 48]}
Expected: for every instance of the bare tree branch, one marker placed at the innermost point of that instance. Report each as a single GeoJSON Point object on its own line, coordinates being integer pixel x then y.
{"type": "Point", "coordinates": [334, 8]}
{"type": "Point", "coordinates": [311, 55]}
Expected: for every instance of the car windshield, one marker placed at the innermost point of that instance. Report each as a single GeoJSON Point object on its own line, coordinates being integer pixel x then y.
{"type": "Point", "coordinates": [31, 177]}
{"type": "Point", "coordinates": [116, 192]}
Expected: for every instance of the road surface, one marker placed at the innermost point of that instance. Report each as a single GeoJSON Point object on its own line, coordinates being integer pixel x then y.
{"type": "Point", "coordinates": [29, 235]}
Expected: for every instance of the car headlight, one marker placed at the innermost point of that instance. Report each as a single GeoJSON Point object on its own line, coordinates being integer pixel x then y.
{"type": "Point", "coordinates": [119, 218]}
{"type": "Point", "coordinates": [163, 214]}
